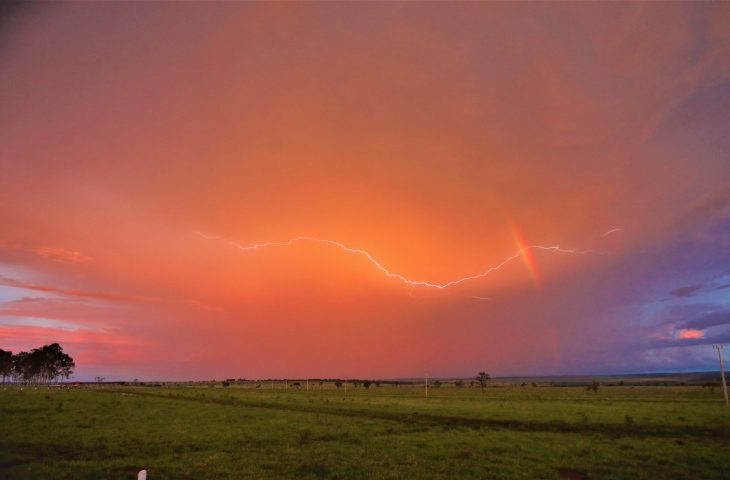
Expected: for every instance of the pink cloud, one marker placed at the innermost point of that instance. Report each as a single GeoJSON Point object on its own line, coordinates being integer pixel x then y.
{"type": "Point", "coordinates": [61, 255]}
{"type": "Point", "coordinates": [690, 333]}
{"type": "Point", "coordinates": [10, 282]}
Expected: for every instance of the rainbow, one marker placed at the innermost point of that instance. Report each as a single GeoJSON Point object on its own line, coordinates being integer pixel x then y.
{"type": "Point", "coordinates": [527, 255]}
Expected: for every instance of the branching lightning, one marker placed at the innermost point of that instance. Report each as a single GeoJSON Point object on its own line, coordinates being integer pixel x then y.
{"type": "Point", "coordinates": [405, 280]}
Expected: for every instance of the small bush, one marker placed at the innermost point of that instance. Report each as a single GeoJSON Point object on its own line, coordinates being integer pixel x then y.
{"type": "Point", "coordinates": [305, 437]}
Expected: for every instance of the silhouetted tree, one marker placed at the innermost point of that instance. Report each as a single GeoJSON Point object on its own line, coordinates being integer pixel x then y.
{"type": "Point", "coordinates": [338, 384]}
{"type": "Point", "coordinates": [6, 364]}
{"type": "Point", "coordinates": [483, 379]}
{"type": "Point", "coordinates": [459, 383]}
{"type": "Point", "coordinates": [40, 365]}
{"type": "Point", "coordinates": [366, 384]}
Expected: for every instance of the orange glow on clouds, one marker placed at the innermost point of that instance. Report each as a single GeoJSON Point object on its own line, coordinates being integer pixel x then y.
{"type": "Point", "coordinates": [690, 333]}
{"type": "Point", "coordinates": [410, 131]}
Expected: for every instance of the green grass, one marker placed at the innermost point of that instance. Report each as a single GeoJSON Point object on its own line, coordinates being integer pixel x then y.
{"type": "Point", "coordinates": [385, 432]}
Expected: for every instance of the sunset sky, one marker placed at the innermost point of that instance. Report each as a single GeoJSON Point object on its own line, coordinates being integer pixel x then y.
{"type": "Point", "coordinates": [431, 188]}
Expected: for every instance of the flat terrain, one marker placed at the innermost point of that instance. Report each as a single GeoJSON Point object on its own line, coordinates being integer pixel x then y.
{"type": "Point", "coordinates": [195, 432]}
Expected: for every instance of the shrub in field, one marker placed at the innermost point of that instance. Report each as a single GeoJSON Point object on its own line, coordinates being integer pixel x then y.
{"type": "Point", "coordinates": [305, 437]}
{"type": "Point", "coordinates": [710, 385]}
{"type": "Point", "coordinates": [593, 387]}
{"type": "Point", "coordinates": [459, 383]}
{"type": "Point", "coordinates": [483, 379]}
{"type": "Point", "coordinates": [338, 384]}
{"type": "Point", "coordinates": [366, 384]}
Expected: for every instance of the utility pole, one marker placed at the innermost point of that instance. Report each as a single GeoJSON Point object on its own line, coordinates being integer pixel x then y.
{"type": "Point", "coordinates": [427, 385]}
{"type": "Point", "coordinates": [307, 384]}
{"type": "Point", "coordinates": [345, 386]}
{"type": "Point", "coordinates": [722, 372]}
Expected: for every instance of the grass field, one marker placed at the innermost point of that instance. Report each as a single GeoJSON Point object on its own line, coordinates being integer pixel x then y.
{"type": "Point", "coordinates": [384, 432]}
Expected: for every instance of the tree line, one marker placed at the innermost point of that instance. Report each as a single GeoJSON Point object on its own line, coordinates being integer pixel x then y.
{"type": "Point", "coordinates": [42, 365]}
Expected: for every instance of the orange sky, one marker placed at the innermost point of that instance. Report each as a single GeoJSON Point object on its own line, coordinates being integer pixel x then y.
{"type": "Point", "coordinates": [442, 139]}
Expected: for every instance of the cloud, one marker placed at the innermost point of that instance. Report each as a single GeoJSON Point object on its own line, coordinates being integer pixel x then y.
{"type": "Point", "coordinates": [710, 320]}
{"type": "Point", "coordinates": [690, 333]}
{"type": "Point", "coordinates": [692, 341]}
{"type": "Point", "coordinates": [9, 282]}
{"type": "Point", "coordinates": [54, 254]}
{"type": "Point", "coordinates": [686, 291]}
{"type": "Point", "coordinates": [714, 283]}
{"type": "Point", "coordinates": [91, 349]}
{"type": "Point", "coordinates": [61, 255]}
{"type": "Point", "coordinates": [79, 311]}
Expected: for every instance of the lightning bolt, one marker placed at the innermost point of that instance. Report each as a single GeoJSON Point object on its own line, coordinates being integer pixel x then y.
{"type": "Point", "coordinates": [389, 274]}
{"type": "Point", "coordinates": [613, 230]}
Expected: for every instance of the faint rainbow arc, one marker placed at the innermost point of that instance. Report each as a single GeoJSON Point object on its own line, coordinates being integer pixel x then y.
{"type": "Point", "coordinates": [527, 255]}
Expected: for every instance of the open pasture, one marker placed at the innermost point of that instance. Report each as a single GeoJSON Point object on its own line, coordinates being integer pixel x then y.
{"type": "Point", "coordinates": [385, 432]}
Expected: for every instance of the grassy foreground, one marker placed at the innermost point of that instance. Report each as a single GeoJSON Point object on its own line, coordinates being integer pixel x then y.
{"type": "Point", "coordinates": [383, 432]}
